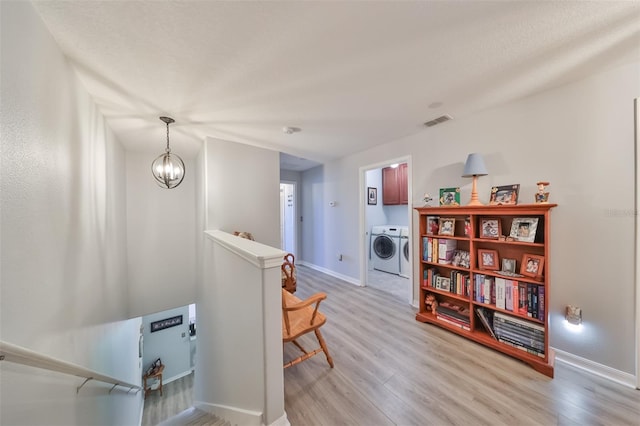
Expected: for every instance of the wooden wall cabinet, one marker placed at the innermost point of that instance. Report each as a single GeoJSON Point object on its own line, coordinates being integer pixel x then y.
{"type": "Point", "coordinates": [394, 185]}
{"type": "Point", "coordinates": [472, 285]}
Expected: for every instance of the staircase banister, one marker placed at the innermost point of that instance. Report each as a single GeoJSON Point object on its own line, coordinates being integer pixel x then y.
{"type": "Point", "coordinates": [19, 355]}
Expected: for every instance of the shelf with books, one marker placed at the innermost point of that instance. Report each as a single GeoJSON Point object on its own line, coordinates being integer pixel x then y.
{"type": "Point", "coordinates": [505, 247]}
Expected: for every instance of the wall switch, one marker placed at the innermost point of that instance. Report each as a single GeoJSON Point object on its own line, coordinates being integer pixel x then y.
{"type": "Point", "coordinates": [184, 334]}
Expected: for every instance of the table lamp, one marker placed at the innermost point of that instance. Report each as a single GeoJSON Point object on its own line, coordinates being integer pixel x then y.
{"type": "Point", "coordinates": [474, 167]}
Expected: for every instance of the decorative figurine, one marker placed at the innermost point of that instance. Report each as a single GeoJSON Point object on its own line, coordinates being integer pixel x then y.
{"type": "Point", "coordinates": [427, 198]}
{"type": "Point", "coordinates": [541, 196]}
{"type": "Point", "coordinates": [431, 303]}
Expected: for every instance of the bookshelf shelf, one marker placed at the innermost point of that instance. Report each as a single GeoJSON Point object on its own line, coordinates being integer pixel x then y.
{"type": "Point", "coordinates": [505, 312]}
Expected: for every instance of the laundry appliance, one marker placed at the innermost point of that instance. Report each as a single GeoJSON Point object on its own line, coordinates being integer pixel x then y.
{"type": "Point", "coordinates": [405, 264]}
{"type": "Point", "coordinates": [385, 248]}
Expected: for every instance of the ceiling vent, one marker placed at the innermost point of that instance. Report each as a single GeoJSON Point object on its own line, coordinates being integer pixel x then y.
{"type": "Point", "coordinates": [438, 120]}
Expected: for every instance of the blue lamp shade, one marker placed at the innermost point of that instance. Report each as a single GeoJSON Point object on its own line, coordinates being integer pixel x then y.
{"type": "Point", "coordinates": [474, 166]}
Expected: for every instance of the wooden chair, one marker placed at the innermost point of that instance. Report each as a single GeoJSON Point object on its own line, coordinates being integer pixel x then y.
{"type": "Point", "coordinates": [289, 280]}
{"type": "Point", "coordinates": [300, 317]}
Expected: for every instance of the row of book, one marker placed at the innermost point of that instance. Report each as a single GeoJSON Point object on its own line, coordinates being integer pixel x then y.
{"type": "Point", "coordinates": [526, 299]}
{"type": "Point", "coordinates": [457, 282]}
{"type": "Point", "coordinates": [438, 250]}
{"type": "Point", "coordinates": [455, 315]}
{"type": "Point", "coordinates": [512, 331]}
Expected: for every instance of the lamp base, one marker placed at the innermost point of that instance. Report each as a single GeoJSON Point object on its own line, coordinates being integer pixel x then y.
{"type": "Point", "coordinates": [474, 194]}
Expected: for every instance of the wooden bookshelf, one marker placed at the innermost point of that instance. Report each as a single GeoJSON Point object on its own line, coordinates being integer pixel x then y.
{"type": "Point", "coordinates": [522, 326]}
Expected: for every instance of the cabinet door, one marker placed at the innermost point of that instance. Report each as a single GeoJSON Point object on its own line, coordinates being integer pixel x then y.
{"type": "Point", "coordinates": [390, 193]}
{"type": "Point", "coordinates": [403, 184]}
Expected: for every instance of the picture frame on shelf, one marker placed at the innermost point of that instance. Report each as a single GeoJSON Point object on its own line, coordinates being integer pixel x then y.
{"type": "Point", "coordinates": [447, 226]}
{"type": "Point", "coordinates": [372, 196]}
{"type": "Point", "coordinates": [532, 265]}
{"type": "Point", "coordinates": [467, 227]}
{"type": "Point", "coordinates": [490, 228]}
{"type": "Point", "coordinates": [524, 229]}
{"type": "Point", "coordinates": [509, 265]}
{"type": "Point", "coordinates": [433, 225]}
{"type": "Point", "coordinates": [461, 258]}
{"type": "Point", "coordinates": [450, 196]}
{"type": "Point", "coordinates": [504, 195]}
{"type": "Point", "coordinates": [488, 260]}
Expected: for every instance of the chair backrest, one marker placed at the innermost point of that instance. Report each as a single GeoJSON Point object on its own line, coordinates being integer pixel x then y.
{"type": "Point", "coordinates": [289, 280]}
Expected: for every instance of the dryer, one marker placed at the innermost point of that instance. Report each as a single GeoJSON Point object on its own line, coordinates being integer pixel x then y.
{"type": "Point", "coordinates": [405, 263]}
{"type": "Point", "coordinates": [385, 248]}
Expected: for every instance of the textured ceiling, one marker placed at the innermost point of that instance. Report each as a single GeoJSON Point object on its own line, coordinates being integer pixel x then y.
{"type": "Point", "coordinates": [351, 75]}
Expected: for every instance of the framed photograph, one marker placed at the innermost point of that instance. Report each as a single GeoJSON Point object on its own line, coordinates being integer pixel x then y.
{"type": "Point", "coordinates": [532, 265]}
{"type": "Point", "coordinates": [166, 323]}
{"type": "Point", "coordinates": [460, 258]}
{"type": "Point", "coordinates": [509, 265]}
{"type": "Point", "coordinates": [488, 259]}
{"type": "Point", "coordinates": [524, 229]}
{"type": "Point", "coordinates": [449, 196]}
{"type": "Point", "coordinates": [372, 196]}
{"type": "Point", "coordinates": [433, 224]}
{"type": "Point", "coordinates": [467, 227]}
{"type": "Point", "coordinates": [446, 226]}
{"type": "Point", "coordinates": [507, 194]}
{"type": "Point", "coordinates": [443, 283]}
{"type": "Point", "coordinates": [490, 228]}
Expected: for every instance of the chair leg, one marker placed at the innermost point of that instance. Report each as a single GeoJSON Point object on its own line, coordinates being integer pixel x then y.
{"type": "Point", "coordinates": [295, 342]}
{"type": "Point", "coordinates": [323, 345]}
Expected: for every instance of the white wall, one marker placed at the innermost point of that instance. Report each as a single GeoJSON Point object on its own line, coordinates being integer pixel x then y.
{"type": "Point", "coordinates": [580, 138]}
{"type": "Point", "coordinates": [63, 258]}
{"type": "Point", "coordinates": [161, 238]}
{"type": "Point", "coordinates": [243, 190]}
{"type": "Point", "coordinates": [169, 344]}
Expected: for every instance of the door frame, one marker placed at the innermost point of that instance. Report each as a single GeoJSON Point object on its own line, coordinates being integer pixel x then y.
{"type": "Point", "coordinates": [295, 214]}
{"type": "Point", "coordinates": [364, 241]}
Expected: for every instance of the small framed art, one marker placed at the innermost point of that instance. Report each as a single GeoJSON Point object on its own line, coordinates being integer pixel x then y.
{"type": "Point", "coordinates": [449, 196]}
{"type": "Point", "coordinates": [488, 259]}
{"type": "Point", "coordinates": [509, 265]}
{"type": "Point", "coordinates": [524, 229]}
{"type": "Point", "coordinates": [532, 265]}
{"type": "Point", "coordinates": [432, 225]}
{"type": "Point", "coordinates": [490, 228]}
{"type": "Point", "coordinates": [507, 194]}
{"type": "Point", "coordinates": [446, 226]}
{"type": "Point", "coordinates": [372, 196]}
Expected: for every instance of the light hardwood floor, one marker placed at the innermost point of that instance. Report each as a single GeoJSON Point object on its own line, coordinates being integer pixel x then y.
{"type": "Point", "coordinates": [391, 369]}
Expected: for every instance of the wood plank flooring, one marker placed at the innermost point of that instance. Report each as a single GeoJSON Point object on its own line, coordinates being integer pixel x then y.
{"type": "Point", "coordinates": [393, 370]}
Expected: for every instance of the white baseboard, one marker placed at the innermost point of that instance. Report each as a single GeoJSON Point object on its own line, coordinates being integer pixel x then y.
{"type": "Point", "coordinates": [171, 379]}
{"type": "Point", "coordinates": [282, 421]}
{"type": "Point", "coordinates": [233, 415]}
{"type": "Point", "coordinates": [589, 366]}
{"type": "Point", "coordinates": [346, 278]}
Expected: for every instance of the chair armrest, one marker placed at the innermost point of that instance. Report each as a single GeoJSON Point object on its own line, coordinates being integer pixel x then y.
{"type": "Point", "coordinates": [300, 304]}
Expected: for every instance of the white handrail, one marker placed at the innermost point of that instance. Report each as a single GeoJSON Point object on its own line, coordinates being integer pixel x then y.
{"type": "Point", "coordinates": [13, 353]}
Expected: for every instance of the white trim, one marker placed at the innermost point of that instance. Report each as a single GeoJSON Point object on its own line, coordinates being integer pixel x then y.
{"type": "Point", "coordinates": [636, 106]}
{"type": "Point", "coordinates": [594, 368]}
{"type": "Point", "coordinates": [282, 421]}
{"type": "Point", "coordinates": [176, 377]}
{"type": "Point", "coordinates": [346, 278]}
{"type": "Point", "coordinates": [233, 415]}
{"type": "Point", "coordinates": [260, 255]}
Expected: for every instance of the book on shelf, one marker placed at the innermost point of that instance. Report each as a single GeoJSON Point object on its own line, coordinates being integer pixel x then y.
{"type": "Point", "coordinates": [508, 295]}
{"type": "Point", "coordinates": [521, 347]}
{"type": "Point", "coordinates": [456, 311]}
{"type": "Point", "coordinates": [453, 321]}
{"type": "Point", "coordinates": [532, 342]}
{"type": "Point", "coordinates": [541, 311]}
{"type": "Point", "coordinates": [500, 293]}
{"type": "Point", "coordinates": [499, 316]}
{"type": "Point", "coordinates": [484, 316]}
{"type": "Point", "coordinates": [522, 299]}
{"type": "Point", "coordinates": [446, 247]}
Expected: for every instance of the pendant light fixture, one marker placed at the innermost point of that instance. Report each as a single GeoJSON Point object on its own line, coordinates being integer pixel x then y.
{"type": "Point", "coordinates": [168, 168]}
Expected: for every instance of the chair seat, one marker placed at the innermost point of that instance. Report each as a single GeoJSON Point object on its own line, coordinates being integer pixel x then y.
{"type": "Point", "coordinates": [299, 320]}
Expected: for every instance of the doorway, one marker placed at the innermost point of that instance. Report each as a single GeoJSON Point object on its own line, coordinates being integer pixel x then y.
{"type": "Point", "coordinates": [288, 231]}
{"type": "Point", "coordinates": [391, 225]}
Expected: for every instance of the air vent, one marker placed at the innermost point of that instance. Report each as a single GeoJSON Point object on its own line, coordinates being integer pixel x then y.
{"type": "Point", "coordinates": [438, 120]}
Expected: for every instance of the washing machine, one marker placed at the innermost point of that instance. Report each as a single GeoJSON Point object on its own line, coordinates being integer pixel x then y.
{"type": "Point", "coordinates": [385, 248]}
{"type": "Point", "coordinates": [405, 264]}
